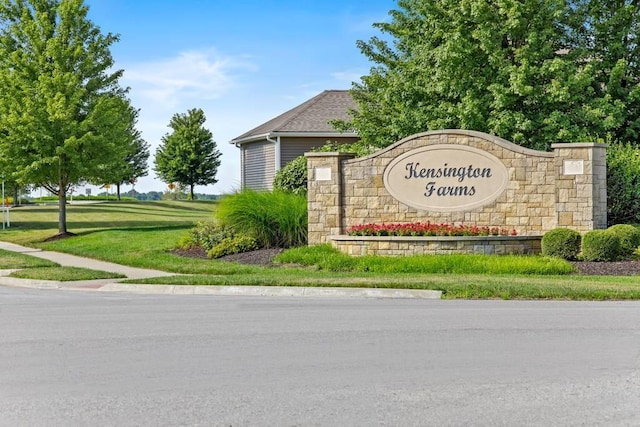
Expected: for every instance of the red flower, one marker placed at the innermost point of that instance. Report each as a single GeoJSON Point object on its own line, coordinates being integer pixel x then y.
{"type": "Point", "coordinates": [426, 229]}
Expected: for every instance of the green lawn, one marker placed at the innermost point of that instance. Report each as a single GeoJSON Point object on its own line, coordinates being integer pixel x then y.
{"type": "Point", "coordinates": [64, 274]}
{"type": "Point", "coordinates": [42, 269]}
{"type": "Point", "coordinates": [465, 286]}
{"type": "Point", "coordinates": [11, 260]}
{"type": "Point", "coordinates": [141, 234]}
{"type": "Point", "coordinates": [31, 224]}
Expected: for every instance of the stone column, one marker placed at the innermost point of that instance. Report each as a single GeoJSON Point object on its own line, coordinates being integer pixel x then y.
{"type": "Point", "coordinates": [324, 195]}
{"type": "Point", "coordinates": [581, 186]}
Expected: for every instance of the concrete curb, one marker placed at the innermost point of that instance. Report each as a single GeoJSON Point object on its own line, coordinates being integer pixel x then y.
{"type": "Point", "coordinates": [273, 291]}
{"type": "Point", "coordinates": [262, 291]}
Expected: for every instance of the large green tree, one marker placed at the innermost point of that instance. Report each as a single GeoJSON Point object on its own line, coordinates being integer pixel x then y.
{"type": "Point", "coordinates": [60, 100]}
{"type": "Point", "coordinates": [531, 71]}
{"type": "Point", "coordinates": [188, 155]}
{"type": "Point", "coordinates": [608, 37]}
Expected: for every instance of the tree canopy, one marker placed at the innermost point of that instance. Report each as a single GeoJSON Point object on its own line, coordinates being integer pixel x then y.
{"type": "Point", "coordinates": [532, 71]}
{"type": "Point", "coordinates": [188, 155]}
{"type": "Point", "coordinates": [61, 106]}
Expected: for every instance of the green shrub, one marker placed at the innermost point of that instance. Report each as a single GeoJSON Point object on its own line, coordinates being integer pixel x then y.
{"type": "Point", "coordinates": [274, 219]}
{"type": "Point", "coordinates": [600, 245]}
{"type": "Point", "coordinates": [233, 245]}
{"type": "Point", "coordinates": [292, 178]}
{"type": "Point", "coordinates": [186, 242]}
{"type": "Point", "coordinates": [629, 238]}
{"type": "Point", "coordinates": [561, 242]}
{"type": "Point", "coordinates": [207, 234]}
{"type": "Point", "coordinates": [623, 184]}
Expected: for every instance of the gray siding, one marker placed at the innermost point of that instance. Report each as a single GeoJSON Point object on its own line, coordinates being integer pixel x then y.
{"type": "Point", "coordinates": [259, 165]}
{"type": "Point", "coordinates": [290, 148]}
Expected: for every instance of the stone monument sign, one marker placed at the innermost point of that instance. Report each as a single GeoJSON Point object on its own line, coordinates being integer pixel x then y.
{"type": "Point", "coordinates": [459, 177]}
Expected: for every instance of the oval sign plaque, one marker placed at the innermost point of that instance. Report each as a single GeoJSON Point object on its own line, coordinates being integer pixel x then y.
{"type": "Point", "coordinates": [446, 178]}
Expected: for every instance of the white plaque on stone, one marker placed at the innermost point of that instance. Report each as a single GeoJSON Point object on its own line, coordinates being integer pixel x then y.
{"type": "Point", "coordinates": [323, 174]}
{"type": "Point", "coordinates": [573, 167]}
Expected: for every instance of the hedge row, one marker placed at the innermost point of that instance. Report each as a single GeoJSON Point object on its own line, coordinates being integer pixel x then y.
{"type": "Point", "coordinates": [615, 243]}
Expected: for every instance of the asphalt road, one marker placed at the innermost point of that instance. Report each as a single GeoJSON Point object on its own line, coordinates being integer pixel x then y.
{"type": "Point", "coordinates": [85, 359]}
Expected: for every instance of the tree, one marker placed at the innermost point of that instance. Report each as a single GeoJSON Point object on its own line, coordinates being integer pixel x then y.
{"type": "Point", "coordinates": [608, 33]}
{"type": "Point", "coordinates": [188, 155]}
{"type": "Point", "coordinates": [6, 174]}
{"type": "Point", "coordinates": [531, 71]}
{"type": "Point", "coordinates": [134, 165]}
{"type": "Point", "coordinates": [136, 162]}
{"type": "Point", "coordinates": [60, 99]}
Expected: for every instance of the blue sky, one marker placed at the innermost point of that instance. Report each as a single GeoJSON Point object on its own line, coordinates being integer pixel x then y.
{"type": "Point", "coordinates": [243, 62]}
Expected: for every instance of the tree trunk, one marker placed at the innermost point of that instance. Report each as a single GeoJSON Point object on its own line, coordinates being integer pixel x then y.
{"type": "Point", "coordinates": [192, 196]}
{"type": "Point", "coordinates": [62, 210]}
{"type": "Point", "coordinates": [16, 195]}
{"type": "Point", "coordinates": [118, 191]}
{"type": "Point", "coordinates": [62, 200]}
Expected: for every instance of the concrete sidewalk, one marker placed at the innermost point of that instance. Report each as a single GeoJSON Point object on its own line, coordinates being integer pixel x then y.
{"type": "Point", "coordinates": [67, 260]}
{"type": "Point", "coordinates": [113, 285]}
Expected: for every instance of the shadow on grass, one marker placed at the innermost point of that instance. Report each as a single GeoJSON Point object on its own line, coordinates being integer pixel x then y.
{"type": "Point", "coordinates": [144, 228]}
{"type": "Point", "coordinates": [207, 205]}
{"type": "Point", "coordinates": [110, 206]}
{"type": "Point", "coordinates": [101, 226]}
{"type": "Point", "coordinates": [115, 209]}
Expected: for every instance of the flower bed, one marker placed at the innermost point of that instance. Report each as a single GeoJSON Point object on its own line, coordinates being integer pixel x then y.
{"type": "Point", "coordinates": [425, 229]}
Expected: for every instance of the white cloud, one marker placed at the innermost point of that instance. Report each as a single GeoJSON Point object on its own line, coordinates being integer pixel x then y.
{"type": "Point", "coordinates": [348, 76]}
{"type": "Point", "coordinates": [191, 75]}
{"type": "Point", "coordinates": [234, 95]}
{"type": "Point", "coordinates": [192, 79]}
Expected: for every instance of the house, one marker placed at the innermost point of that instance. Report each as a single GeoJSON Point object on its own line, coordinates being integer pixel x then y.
{"type": "Point", "coordinates": [268, 147]}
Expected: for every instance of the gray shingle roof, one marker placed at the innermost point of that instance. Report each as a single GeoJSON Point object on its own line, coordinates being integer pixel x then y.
{"type": "Point", "coordinates": [312, 116]}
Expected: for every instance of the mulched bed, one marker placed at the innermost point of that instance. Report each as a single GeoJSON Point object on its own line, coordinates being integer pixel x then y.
{"type": "Point", "coordinates": [262, 257]}
{"type": "Point", "coordinates": [618, 268]}
{"type": "Point", "coordinates": [196, 252]}
{"type": "Point", "coordinates": [59, 236]}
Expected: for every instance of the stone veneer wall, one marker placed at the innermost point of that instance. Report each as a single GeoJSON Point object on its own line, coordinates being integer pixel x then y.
{"type": "Point", "coordinates": [406, 245]}
{"type": "Point", "coordinates": [581, 198]}
{"type": "Point", "coordinates": [566, 187]}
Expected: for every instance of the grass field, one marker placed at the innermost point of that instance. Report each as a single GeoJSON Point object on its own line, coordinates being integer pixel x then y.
{"type": "Point", "coordinates": [32, 224]}
{"type": "Point", "coordinates": [141, 234]}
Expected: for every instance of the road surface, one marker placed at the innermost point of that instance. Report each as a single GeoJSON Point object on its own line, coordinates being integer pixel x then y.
{"type": "Point", "coordinates": [80, 359]}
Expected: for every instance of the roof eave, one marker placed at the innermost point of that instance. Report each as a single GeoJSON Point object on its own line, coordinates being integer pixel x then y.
{"type": "Point", "coordinates": [250, 138]}
{"type": "Point", "coordinates": [324, 134]}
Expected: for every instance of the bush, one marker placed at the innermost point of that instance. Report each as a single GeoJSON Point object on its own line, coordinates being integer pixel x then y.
{"type": "Point", "coordinates": [600, 245]}
{"type": "Point", "coordinates": [292, 178]}
{"type": "Point", "coordinates": [629, 238]}
{"type": "Point", "coordinates": [186, 242]}
{"type": "Point", "coordinates": [623, 184]}
{"type": "Point", "coordinates": [274, 219]}
{"type": "Point", "coordinates": [562, 243]}
{"type": "Point", "coordinates": [206, 234]}
{"type": "Point", "coordinates": [217, 240]}
{"type": "Point", "coordinates": [233, 245]}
